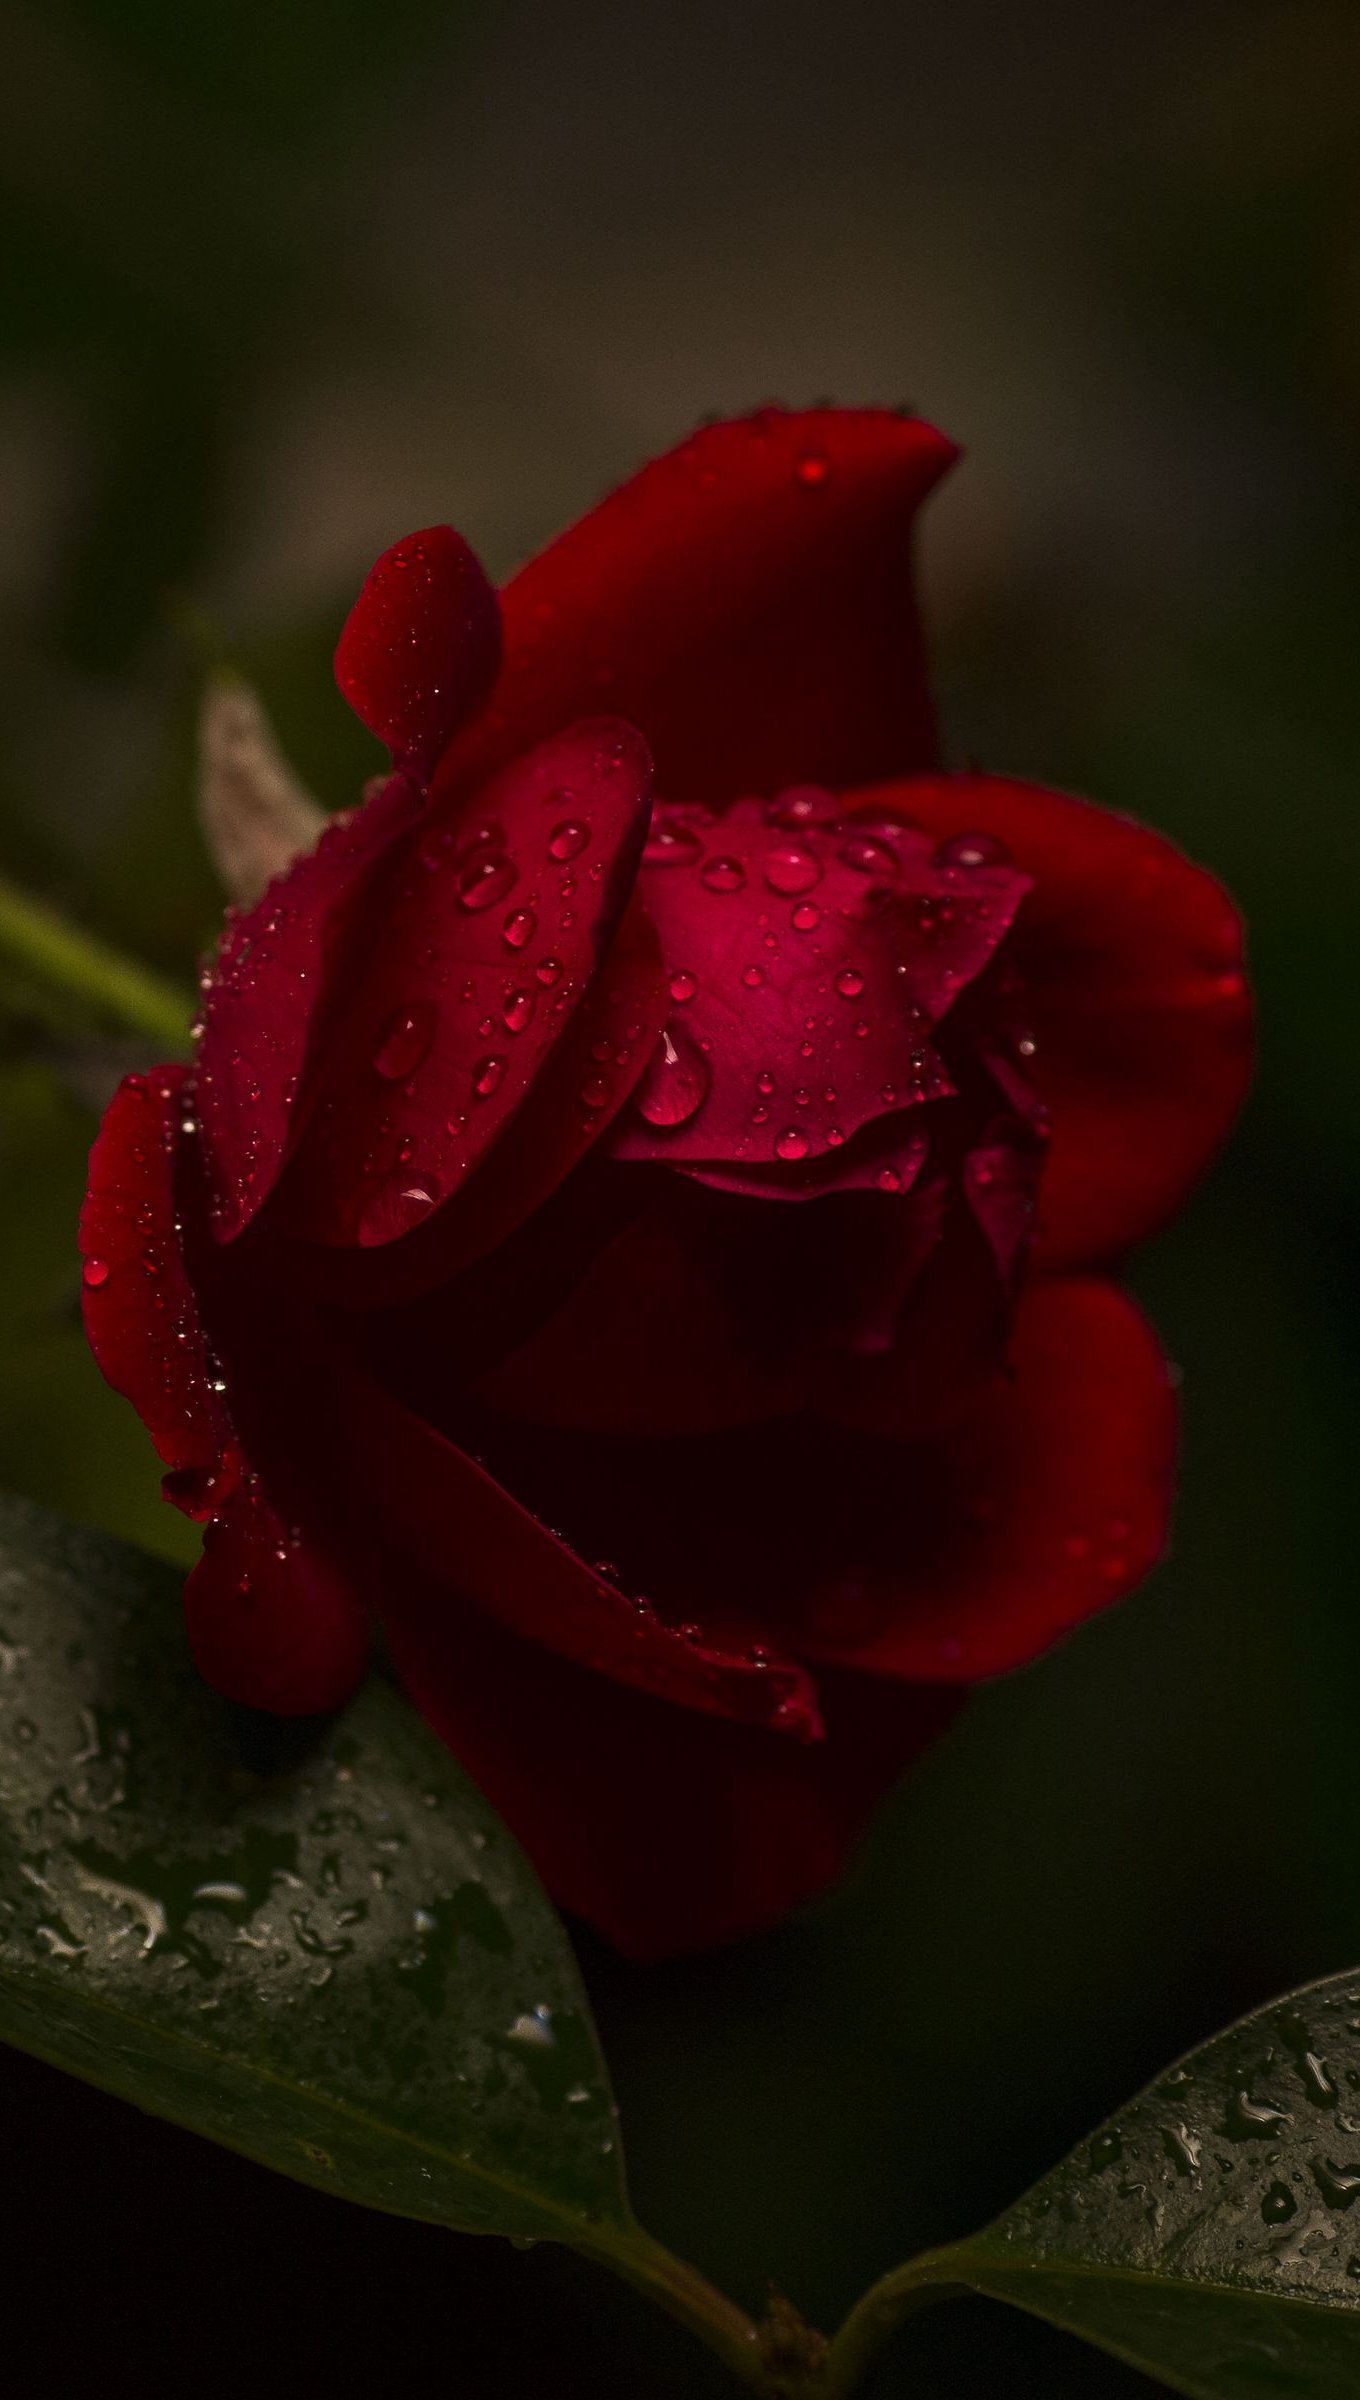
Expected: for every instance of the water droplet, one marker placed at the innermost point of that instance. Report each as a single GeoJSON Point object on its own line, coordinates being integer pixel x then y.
{"type": "Point", "coordinates": [791, 869]}
{"type": "Point", "coordinates": [95, 1272]}
{"type": "Point", "coordinates": [535, 2029]}
{"type": "Point", "coordinates": [805, 917]}
{"type": "Point", "coordinates": [520, 927]}
{"type": "Point", "coordinates": [869, 857]}
{"type": "Point", "coordinates": [888, 1179]}
{"type": "Point", "coordinates": [676, 1080]}
{"type": "Point", "coordinates": [517, 1009]}
{"type": "Point", "coordinates": [753, 977]}
{"type": "Point", "coordinates": [723, 874]}
{"type": "Point", "coordinates": [791, 1143]}
{"type": "Point", "coordinates": [803, 804]}
{"type": "Point", "coordinates": [849, 983]}
{"type": "Point", "coordinates": [568, 839]}
{"type": "Point", "coordinates": [765, 1082]}
{"type": "Point", "coordinates": [595, 1093]}
{"type": "Point", "coordinates": [1279, 2205]}
{"type": "Point", "coordinates": [549, 972]}
{"type": "Point", "coordinates": [671, 846]}
{"type": "Point", "coordinates": [1339, 2186]}
{"type": "Point", "coordinates": [972, 850]}
{"type": "Point", "coordinates": [404, 1043]}
{"type": "Point", "coordinates": [486, 1076]}
{"type": "Point", "coordinates": [683, 987]}
{"type": "Point", "coordinates": [812, 469]}
{"type": "Point", "coordinates": [485, 879]}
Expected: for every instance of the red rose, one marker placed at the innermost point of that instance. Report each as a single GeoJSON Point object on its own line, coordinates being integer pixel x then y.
{"type": "Point", "coordinates": [639, 1222]}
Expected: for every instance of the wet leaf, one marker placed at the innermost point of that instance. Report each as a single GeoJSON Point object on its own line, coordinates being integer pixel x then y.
{"type": "Point", "coordinates": [316, 1944]}
{"type": "Point", "coordinates": [1209, 2234]}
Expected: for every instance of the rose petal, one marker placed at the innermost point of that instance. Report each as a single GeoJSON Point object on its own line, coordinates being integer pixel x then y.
{"type": "Point", "coordinates": [421, 646]}
{"type": "Point", "coordinates": [1131, 959]}
{"type": "Point", "coordinates": [650, 1341]}
{"type": "Point", "coordinates": [747, 600]}
{"type": "Point", "coordinates": [270, 1622]}
{"type": "Point", "coordinates": [488, 935]}
{"type": "Point", "coordinates": [443, 1515]}
{"type": "Point", "coordinates": [576, 1097]}
{"type": "Point", "coordinates": [722, 1828]}
{"type": "Point", "coordinates": [810, 986]}
{"type": "Point", "coordinates": [1048, 1500]}
{"type": "Point", "coordinates": [141, 1313]}
{"type": "Point", "coordinates": [264, 994]}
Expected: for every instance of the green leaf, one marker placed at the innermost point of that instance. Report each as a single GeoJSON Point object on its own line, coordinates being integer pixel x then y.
{"type": "Point", "coordinates": [321, 1948]}
{"type": "Point", "coordinates": [315, 1944]}
{"type": "Point", "coordinates": [1209, 2234]}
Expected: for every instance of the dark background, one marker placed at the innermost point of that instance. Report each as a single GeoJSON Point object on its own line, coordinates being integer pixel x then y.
{"type": "Point", "coordinates": [283, 281]}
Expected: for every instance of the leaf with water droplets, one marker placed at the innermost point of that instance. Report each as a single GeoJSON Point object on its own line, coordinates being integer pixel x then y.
{"type": "Point", "coordinates": [1208, 2234]}
{"type": "Point", "coordinates": [316, 1944]}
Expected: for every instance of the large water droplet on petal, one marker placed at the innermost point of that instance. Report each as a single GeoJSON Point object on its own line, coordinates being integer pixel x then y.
{"type": "Point", "coordinates": [791, 869]}
{"type": "Point", "coordinates": [671, 846]}
{"type": "Point", "coordinates": [488, 876]}
{"type": "Point", "coordinates": [568, 839]}
{"type": "Point", "coordinates": [722, 874]}
{"type": "Point", "coordinates": [869, 857]}
{"type": "Point", "coordinates": [676, 1081]}
{"type": "Point", "coordinates": [395, 1203]}
{"type": "Point", "coordinates": [486, 1076]}
{"type": "Point", "coordinates": [405, 1040]}
{"type": "Point", "coordinates": [791, 1143]}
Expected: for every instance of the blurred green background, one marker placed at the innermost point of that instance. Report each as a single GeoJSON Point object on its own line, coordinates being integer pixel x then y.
{"type": "Point", "coordinates": [282, 282]}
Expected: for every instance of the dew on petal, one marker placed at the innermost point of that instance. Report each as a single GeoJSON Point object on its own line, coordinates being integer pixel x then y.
{"type": "Point", "coordinates": [806, 917]}
{"type": "Point", "coordinates": [722, 874]}
{"type": "Point", "coordinates": [812, 469]}
{"type": "Point", "coordinates": [676, 1080]}
{"type": "Point", "coordinates": [791, 869]}
{"type": "Point", "coordinates": [869, 857]}
{"type": "Point", "coordinates": [671, 846]}
{"type": "Point", "coordinates": [568, 839]}
{"type": "Point", "coordinates": [404, 1043]}
{"type": "Point", "coordinates": [683, 987]}
{"type": "Point", "coordinates": [549, 972]}
{"type": "Point", "coordinates": [850, 983]}
{"type": "Point", "coordinates": [753, 977]}
{"type": "Point", "coordinates": [791, 1143]}
{"type": "Point", "coordinates": [803, 804]}
{"type": "Point", "coordinates": [486, 1076]}
{"type": "Point", "coordinates": [95, 1272]}
{"type": "Point", "coordinates": [517, 1010]}
{"type": "Point", "coordinates": [393, 1204]}
{"type": "Point", "coordinates": [485, 878]}
{"type": "Point", "coordinates": [972, 850]}
{"type": "Point", "coordinates": [520, 927]}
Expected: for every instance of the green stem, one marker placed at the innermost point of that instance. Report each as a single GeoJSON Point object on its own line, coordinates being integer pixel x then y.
{"type": "Point", "coordinates": [931, 2276]}
{"type": "Point", "coordinates": [42, 943]}
{"type": "Point", "coordinates": [685, 2294]}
